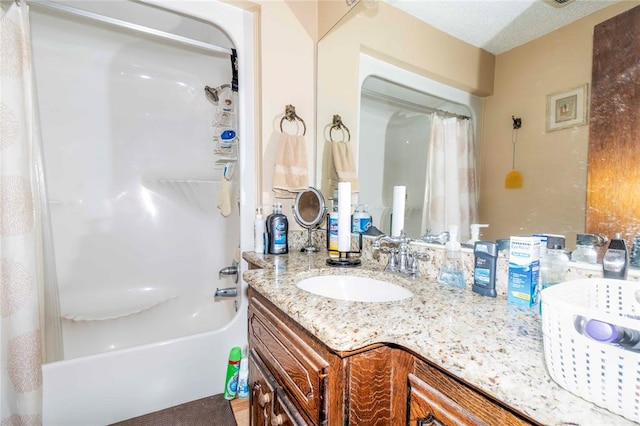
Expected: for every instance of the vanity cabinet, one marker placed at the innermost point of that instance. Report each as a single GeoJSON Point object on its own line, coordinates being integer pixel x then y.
{"type": "Point", "coordinates": [297, 380]}
{"type": "Point", "coordinates": [436, 399]}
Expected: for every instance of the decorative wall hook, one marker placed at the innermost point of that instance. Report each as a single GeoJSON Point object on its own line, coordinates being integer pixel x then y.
{"type": "Point", "coordinates": [290, 115]}
{"type": "Point", "coordinates": [517, 122]}
{"type": "Point", "coordinates": [337, 124]}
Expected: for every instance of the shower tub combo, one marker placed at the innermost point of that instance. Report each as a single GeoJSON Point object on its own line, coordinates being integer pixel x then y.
{"type": "Point", "coordinates": [133, 184]}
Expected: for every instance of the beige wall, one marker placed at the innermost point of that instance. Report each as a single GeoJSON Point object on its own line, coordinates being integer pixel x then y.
{"type": "Point", "coordinates": [391, 35]}
{"type": "Point", "coordinates": [553, 164]}
{"type": "Point", "coordinates": [287, 40]}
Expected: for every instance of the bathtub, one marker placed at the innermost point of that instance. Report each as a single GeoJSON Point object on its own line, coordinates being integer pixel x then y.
{"type": "Point", "coordinates": [108, 387]}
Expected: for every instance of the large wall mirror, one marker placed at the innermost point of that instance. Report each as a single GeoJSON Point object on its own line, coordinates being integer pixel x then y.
{"type": "Point", "coordinates": [515, 83]}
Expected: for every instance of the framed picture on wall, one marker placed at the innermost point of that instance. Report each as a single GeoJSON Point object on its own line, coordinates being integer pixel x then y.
{"type": "Point", "coordinates": [567, 108]}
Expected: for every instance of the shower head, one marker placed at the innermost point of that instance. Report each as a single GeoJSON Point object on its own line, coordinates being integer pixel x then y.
{"type": "Point", "coordinates": [212, 92]}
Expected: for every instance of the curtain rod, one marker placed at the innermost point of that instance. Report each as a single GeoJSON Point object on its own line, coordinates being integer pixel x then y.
{"type": "Point", "coordinates": [128, 25]}
{"type": "Point", "coordinates": [408, 104]}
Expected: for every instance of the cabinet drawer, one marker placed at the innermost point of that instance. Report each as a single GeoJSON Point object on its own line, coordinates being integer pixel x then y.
{"type": "Point", "coordinates": [295, 364]}
{"type": "Point", "coordinates": [428, 407]}
{"type": "Point", "coordinates": [437, 399]}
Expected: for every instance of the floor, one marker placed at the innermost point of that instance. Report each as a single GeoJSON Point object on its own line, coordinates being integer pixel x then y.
{"type": "Point", "coordinates": [240, 409]}
{"type": "Point", "coordinates": [196, 413]}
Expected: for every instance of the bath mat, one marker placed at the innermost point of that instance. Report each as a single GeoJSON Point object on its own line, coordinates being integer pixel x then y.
{"type": "Point", "coordinates": [210, 411]}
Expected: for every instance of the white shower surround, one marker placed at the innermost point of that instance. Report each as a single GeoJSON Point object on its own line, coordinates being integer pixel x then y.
{"type": "Point", "coordinates": [375, 118]}
{"type": "Point", "coordinates": [184, 358]}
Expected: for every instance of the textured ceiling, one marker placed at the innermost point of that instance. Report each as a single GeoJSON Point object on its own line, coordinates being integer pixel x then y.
{"type": "Point", "coordinates": [498, 25]}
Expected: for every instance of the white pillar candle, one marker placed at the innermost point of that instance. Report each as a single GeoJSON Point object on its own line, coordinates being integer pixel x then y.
{"type": "Point", "coordinates": [397, 221]}
{"type": "Point", "coordinates": [344, 216]}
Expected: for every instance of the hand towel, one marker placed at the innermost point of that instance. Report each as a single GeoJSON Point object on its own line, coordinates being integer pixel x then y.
{"type": "Point", "coordinates": [291, 173]}
{"type": "Point", "coordinates": [343, 166]}
{"type": "Point", "coordinates": [224, 198]}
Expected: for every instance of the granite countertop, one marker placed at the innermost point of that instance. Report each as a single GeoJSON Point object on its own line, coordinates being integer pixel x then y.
{"type": "Point", "coordinates": [483, 341]}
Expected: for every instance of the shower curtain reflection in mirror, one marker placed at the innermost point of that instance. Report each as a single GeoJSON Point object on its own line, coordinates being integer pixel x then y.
{"type": "Point", "coordinates": [433, 155]}
{"type": "Point", "coordinates": [452, 186]}
{"type": "Point", "coordinates": [30, 328]}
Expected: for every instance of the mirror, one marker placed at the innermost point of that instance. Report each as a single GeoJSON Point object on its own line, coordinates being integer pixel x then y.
{"type": "Point", "coordinates": [517, 82]}
{"type": "Point", "coordinates": [309, 211]}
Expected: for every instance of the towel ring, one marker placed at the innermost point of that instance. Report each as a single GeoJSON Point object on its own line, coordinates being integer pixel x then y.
{"type": "Point", "coordinates": [290, 115]}
{"type": "Point", "coordinates": [338, 125]}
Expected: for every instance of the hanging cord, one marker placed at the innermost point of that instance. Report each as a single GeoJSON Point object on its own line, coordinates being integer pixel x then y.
{"type": "Point", "coordinates": [517, 123]}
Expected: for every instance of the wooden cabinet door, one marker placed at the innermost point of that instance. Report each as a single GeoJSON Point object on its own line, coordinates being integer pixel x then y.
{"type": "Point", "coordinates": [262, 392]}
{"type": "Point", "coordinates": [429, 407]}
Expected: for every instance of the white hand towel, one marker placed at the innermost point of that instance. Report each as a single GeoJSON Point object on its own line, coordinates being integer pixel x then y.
{"type": "Point", "coordinates": [291, 173]}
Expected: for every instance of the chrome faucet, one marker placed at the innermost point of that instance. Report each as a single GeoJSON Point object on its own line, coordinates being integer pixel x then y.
{"type": "Point", "coordinates": [401, 259]}
{"type": "Point", "coordinates": [441, 238]}
{"type": "Point", "coordinates": [225, 293]}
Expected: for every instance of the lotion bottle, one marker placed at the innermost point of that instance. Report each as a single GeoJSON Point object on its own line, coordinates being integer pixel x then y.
{"type": "Point", "coordinates": [259, 229]}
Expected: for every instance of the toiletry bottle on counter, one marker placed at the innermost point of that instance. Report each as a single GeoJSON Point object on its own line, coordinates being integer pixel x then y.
{"type": "Point", "coordinates": [332, 227]}
{"type": "Point", "coordinates": [278, 231]}
{"type": "Point", "coordinates": [259, 229]}
{"type": "Point", "coordinates": [475, 232]}
{"type": "Point", "coordinates": [615, 263]}
{"type": "Point", "coordinates": [451, 273]}
{"type": "Point", "coordinates": [484, 272]}
{"type": "Point", "coordinates": [585, 250]}
{"type": "Point", "coordinates": [555, 263]}
{"type": "Point", "coordinates": [361, 220]}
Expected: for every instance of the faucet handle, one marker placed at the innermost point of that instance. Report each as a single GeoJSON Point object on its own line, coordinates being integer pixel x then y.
{"type": "Point", "coordinates": [392, 264]}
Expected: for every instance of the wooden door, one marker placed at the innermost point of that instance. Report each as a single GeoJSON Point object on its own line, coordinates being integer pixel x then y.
{"type": "Point", "coordinates": [613, 177]}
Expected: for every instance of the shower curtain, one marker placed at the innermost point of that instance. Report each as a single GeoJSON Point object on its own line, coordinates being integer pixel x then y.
{"type": "Point", "coordinates": [24, 232]}
{"type": "Point", "coordinates": [453, 194]}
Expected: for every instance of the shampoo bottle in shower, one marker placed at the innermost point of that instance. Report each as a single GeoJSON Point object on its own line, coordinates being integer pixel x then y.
{"type": "Point", "coordinates": [233, 370]}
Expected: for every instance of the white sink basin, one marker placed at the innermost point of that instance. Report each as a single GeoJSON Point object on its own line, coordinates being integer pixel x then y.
{"type": "Point", "coordinates": [354, 289]}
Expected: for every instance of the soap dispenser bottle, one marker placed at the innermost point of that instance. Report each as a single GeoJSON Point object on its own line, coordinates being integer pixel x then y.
{"type": "Point", "coordinates": [615, 263]}
{"type": "Point", "coordinates": [451, 273]}
{"type": "Point", "coordinates": [475, 233]}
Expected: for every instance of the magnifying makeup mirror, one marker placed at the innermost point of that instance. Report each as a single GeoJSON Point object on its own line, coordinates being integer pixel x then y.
{"type": "Point", "coordinates": [309, 211]}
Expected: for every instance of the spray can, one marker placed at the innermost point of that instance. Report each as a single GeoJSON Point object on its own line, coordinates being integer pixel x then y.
{"type": "Point", "coordinates": [233, 370]}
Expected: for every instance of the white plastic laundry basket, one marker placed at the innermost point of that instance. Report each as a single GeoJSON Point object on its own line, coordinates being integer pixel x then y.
{"type": "Point", "coordinates": [604, 373]}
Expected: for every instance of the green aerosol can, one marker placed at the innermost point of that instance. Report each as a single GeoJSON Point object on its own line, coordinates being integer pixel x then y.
{"type": "Point", "coordinates": [233, 369]}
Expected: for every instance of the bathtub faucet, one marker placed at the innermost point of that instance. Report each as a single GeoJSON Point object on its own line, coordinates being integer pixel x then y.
{"type": "Point", "coordinates": [222, 293]}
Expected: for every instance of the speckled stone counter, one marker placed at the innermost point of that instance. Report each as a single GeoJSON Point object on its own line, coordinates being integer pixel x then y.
{"type": "Point", "coordinates": [485, 342]}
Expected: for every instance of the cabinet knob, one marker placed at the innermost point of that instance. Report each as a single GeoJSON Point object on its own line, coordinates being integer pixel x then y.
{"type": "Point", "coordinates": [263, 398]}
{"type": "Point", "coordinates": [276, 419]}
{"type": "Point", "coordinates": [430, 420]}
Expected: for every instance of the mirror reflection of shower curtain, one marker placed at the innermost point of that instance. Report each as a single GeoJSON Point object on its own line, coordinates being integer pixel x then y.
{"type": "Point", "coordinates": [452, 194]}
{"type": "Point", "coordinates": [27, 308]}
